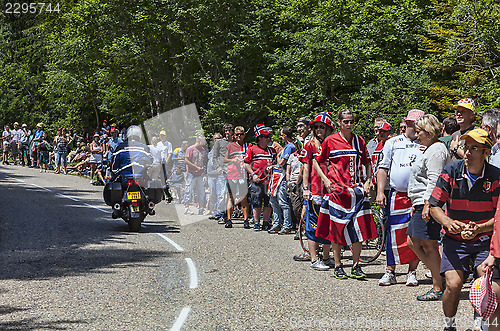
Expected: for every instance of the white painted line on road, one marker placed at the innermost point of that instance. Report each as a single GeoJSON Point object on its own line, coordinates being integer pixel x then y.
{"type": "Point", "coordinates": [193, 275]}
{"type": "Point", "coordinates": [67, 197]}
{"type": "Point", "coordinates": [86, 204]}
{"type": "Point", "coordinates": [181, 319]}
{"type": "Point", "coordinates": [43, 188]}
{"type": "Point", "coordinates": [173, 243]}
{"type": "Point", "coordinates": [19, 180]}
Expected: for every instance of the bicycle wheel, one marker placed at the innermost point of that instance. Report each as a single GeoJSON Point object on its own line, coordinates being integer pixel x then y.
{"type": "Point", "coordinates": [373, 247]}
{"type": "Point", "coordinates": [302, 236]}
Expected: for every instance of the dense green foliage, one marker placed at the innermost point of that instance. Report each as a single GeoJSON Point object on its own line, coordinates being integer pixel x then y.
{"type": "Point", "coordinates": [249, 61]}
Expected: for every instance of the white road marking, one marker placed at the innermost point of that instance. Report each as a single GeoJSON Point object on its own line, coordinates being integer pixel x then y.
{"type": "Point", "coordinates": [181, 319]}
{"type": "Point", "coordinates": [43, 188]}
{"type": "Point", "coordinates": [173, 243]}
{"type": "Point", "coordinates": [192, 273]}
{"type": "Point", "coordinates": [19, 180]}
{"type": "Point", "coordinates": [67, 197]}
{"type": "Point", "coordinates": [86, 204]}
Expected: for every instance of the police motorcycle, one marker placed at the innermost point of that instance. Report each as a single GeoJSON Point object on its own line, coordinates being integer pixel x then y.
{"type": "Point", "coordinates": [132, 191]}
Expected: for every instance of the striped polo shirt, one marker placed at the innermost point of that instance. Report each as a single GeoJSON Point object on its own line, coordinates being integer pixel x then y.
{"type": "Point", "coordinates": [466, 202]}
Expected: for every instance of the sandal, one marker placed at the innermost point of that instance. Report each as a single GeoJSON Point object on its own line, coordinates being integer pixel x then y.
{"type": "Point", "coordinates": [431, 295]}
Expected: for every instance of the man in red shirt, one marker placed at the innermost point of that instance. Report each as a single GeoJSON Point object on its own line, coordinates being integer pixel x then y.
{"type": "Point", "coordinates": [258, 163]}
{"type": "Point", "coordinates": [195, 159]}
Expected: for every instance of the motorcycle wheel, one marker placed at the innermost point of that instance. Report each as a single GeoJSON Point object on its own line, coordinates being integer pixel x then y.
{"type": "Point", "coordinates": [134, 224]}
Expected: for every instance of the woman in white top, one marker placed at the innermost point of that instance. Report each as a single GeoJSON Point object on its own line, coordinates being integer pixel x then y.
{"type": "Point", "coordinates": [423, 231]}
{"type": "Point", "coordinates": [96, 150]}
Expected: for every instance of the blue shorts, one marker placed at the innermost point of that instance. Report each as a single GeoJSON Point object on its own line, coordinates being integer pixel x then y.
{"type": "Point", "coordinates": [457, 255]}
{"type": "Point", "coordinates": [419, 228]}
{"type": "Point", "coordinates": [311, 217]}
{"type": "Point", "coordinates": [258, 195]}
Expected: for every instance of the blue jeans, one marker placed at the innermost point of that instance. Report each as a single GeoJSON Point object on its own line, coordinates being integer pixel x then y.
{"type": "Point", "coordinates": [220, 189]}
{"type": "Point", "coordinates": [195, 187]}
{"type": "Point", "coordinates": [282, 213]}
{"type": "Point", "coordinates": [217, 186]}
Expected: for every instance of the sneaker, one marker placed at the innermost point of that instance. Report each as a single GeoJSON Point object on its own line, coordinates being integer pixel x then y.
{"type": "Point", "coordinates": [221, 220]}
{"type": "Point", "coordinates": [339, 272]}
{"type": "Point", "coordinates": [228, 224]}
{"type": "Point", "coordinates": [265, 226]}
{"type": "Point", "coordinates": [319, 265]}
{"type": "Point", "coordinates": [274, 229]}
{"type": "Point", "coordinates": [246, 224]}
{"type": "Point", "coordinates": [256, 226]}
{"type": "Point", "coordinates": [302, 257]}
{"type": "Point", "coordinates": [428, 274]}
{"type": "Point", "coordinates": [411, 278]}
{"type": "Point", "coordinates": [389, 278]}
{"type": "Point", "coordinates": [188, 212]}
{"type": "Point", "coordinates": [450, 328]}
{"type": "Point", "coordinates": [357, 273]}
{"type": "Point", "coordinates": [285, 231]}
{"type": "Point", "coordinates": [330, 263]}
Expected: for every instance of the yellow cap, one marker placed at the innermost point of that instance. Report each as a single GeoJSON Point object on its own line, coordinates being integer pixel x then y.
{"type": "Point", "coordinates": [162, 132]}
{"type": "Point", "coordinates": [480, 136]}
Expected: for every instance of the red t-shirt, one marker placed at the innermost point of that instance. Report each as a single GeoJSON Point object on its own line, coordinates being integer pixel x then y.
{"type": "Point", "coordinates": [376, 156]}
{"type": "Point", "coordinates": [259, 159]}
{"type": "Point", "coordinates": [197, 156]}
{"type": "Point", "coordinates": [308, 152]}
{"type": "Point", "coordinates": [236, 170]}
{"type": "Point", "coordinates": [344, 159]}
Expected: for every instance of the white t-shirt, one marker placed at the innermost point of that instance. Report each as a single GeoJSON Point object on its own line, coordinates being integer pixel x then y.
{"type": "Point", "coordinates": [165, 149]}
{"type": "Point", "coordinates": [398, 156]}
{"type": "Point", "coordinates": [16, 135]}
{"type": "Point", "coordinates": [156, 153]}
{"type": "Point", "coordinates": [295, 164]}
{"type": "Point", "coordinates": [6, 140]}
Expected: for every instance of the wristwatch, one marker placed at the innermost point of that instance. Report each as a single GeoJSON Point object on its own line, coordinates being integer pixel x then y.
{"type": "Point", "coordinates": [305, 187]}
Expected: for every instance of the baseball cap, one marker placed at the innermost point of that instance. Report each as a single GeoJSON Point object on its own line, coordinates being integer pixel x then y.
{"type": "Point", "coordinates": [96, 134]}
{"type": "Point", "coordinates": [162, 132]}
{"type": "Point", "coordinates": [15, 123]}
{"type": "Point", "coordinates": [306, 120]}
{"type": "Point", "coordinates": [467, 103]}
{"type": "Point", "coordinates": [39, 125]}
{"type": "Point", "coordinates": [480, 136]}
{"type": "Point", "coordinates": [385, 127]}
{"type": "Point", "coordinates": [414, 115]}
{"type": "Point", "coordinates": [261, 130]}
{"type": "Point", "coordinates": [24, 125]}
{"type": "Point", "coordinates": [113, 130]}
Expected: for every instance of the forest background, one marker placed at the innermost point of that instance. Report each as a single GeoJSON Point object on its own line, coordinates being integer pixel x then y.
{"type": "Point", "coordinates": [246, 61]}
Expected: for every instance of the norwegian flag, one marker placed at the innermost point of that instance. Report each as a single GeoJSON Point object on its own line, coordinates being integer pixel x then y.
{"type": "Point", "coordinates": [397, 249]}
{"type": "Point", "coordinates": [276, 178]}
{"type": "Point", "coordinates": [260, 129]}
{"type": "Point", "coordinates": [324, 117]}
{"type": "Point", "coordinates": [346, 217]}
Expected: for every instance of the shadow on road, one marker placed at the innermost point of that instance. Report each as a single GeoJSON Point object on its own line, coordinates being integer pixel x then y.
{"type": "Point", "coordinates": [43, 235]}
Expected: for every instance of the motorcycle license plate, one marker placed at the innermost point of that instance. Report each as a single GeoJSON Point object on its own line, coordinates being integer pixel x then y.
{"type": "Point", "coordinates": [133, 195]}
{"type": "Point", "coordinates": [135, 209]}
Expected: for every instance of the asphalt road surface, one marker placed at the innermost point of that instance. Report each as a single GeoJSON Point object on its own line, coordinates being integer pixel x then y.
{"type": "Point", "coordinates": [66, 264]}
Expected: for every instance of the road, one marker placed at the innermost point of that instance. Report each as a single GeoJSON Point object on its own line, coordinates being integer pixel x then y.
{"type": "Point", "coordinates": [66, 265]}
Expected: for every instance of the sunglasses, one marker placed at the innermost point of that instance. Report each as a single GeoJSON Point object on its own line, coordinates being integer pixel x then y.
{"type": "Point", "coordinates": [239, 134]}
{"type": "Point", "coordinates": [348, 121]}
{"type": "Point", "coordinates": [472, 148]}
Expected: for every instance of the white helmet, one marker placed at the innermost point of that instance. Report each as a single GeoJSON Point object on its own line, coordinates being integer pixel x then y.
{"type": "Point", "coordinates": [134, 133]}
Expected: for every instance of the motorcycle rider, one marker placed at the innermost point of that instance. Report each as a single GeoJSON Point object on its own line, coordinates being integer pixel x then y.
{"type": "Point", "coordinates": [131, 156]}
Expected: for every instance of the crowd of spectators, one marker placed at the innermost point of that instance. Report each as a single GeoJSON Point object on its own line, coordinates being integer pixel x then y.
{"type": "Point", "coordinates": [436, 183]}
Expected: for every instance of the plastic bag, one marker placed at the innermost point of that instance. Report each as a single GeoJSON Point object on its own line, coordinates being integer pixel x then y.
{"type": "Point", "coordinates": [482, 296]}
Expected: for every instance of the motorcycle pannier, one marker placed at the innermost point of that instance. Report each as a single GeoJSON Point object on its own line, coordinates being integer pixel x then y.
{"type": "Point", "coordinates": [113, 193]}
{"type": "Point", "coordinates": [155, 191]}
